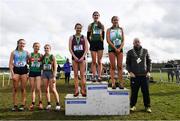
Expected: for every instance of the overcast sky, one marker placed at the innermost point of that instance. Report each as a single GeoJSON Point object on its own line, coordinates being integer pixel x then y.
{"type": "Point", "coordinates": [155, 22]}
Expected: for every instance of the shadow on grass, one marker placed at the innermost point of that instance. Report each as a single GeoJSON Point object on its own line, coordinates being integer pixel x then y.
{"type": "Point", "coordinates": [63, 88]}
{"type": "Point", "coordinates": [46, 115]}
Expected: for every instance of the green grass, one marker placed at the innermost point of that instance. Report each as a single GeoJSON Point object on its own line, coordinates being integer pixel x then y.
{"type": "Point", "coordinates": [165, 102]}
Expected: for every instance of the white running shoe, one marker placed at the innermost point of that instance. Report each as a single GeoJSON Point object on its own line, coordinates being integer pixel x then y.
{"type": "Point", "coordinates": [48, 107]}
{"type": "Point", "coordinates": [58, 108]}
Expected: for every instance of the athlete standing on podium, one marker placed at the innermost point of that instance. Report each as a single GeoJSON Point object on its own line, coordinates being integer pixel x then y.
{"type": "Point", "coordinates": [115, 39]}
{"type": "Point", "coordinates": [78, 47]}
{"type": "Point", "coordinates": [95, 36]}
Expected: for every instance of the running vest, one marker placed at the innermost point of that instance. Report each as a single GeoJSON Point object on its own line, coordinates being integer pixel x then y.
{"type": "Point", "coordinates": [35, 62]}
{"type": "Point", "coordinates": [20, 58]}
{"type": "Point", "coordinates": [47, 63]}
{"type": "Point", "coordinates": [78, 46]}
{"type": "Point", "coordinates": [115, 38]}
{"type": "Point", "coordinates": [96, 32]}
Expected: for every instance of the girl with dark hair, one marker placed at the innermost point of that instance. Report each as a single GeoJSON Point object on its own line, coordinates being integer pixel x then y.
{"type": "Point", "coordinates": [115, 39]}
{"type": "Point", "coordinates": [78, 48]}
{"type": "Point", "coordinates": [95, 36]}
{"type": "Point", "coordinates": [18, 70]}
{"type": "Point", "coordinates": [35, 61]}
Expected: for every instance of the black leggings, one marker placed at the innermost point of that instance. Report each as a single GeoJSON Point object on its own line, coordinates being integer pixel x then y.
{"type": "Point", "coordinates": [67, 76]}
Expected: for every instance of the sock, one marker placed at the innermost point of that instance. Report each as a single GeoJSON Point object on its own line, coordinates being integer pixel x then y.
{"type": "Point", "coordinates": [57, 103]}
{"type": "Point", "coordinates": [49, 103]}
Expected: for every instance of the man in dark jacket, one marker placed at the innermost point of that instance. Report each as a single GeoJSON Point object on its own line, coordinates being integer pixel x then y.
{"type": "Point", "coordinates": [138, 64]}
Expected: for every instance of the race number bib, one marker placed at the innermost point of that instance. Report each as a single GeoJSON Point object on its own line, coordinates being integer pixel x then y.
{"type": "Point", "coordinates": [78, 47]}
{"type": "Point", "coordinates": [36, 64]}
{"type": "Point", "coordinates": [47, 67]}
{"type": "Point", "coordinates": [20, 64]}
{"type": "Point", "coordinates": [97, 31]}
{"type": "Point", "coordinates": [117, 42]}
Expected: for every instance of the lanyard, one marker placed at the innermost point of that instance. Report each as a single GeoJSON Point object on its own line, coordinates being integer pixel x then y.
{"type": "Point", "coordinates": [78, 39]}
{"type": "Point", "coordinates": [46, 60]}
{"type": "Point", "coordinates": [117, 34]}
{"type": "Point", "coordinates": [20, 56]}
{"type": "Point", "coordinates": [140, 55]}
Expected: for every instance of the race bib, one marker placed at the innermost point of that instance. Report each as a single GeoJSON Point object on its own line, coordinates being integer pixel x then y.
{"type": "Point", "coordinates": [117, 42]}
{"type": "Point", "coordinates": [78, 47]}
{"type": "Point", "coordinates": [97, 31]}
{"type": "Point", "coordinates": [47, 67]}
{"type": "Point", "coordinates": [20, 64]}
{"type": "Point", "coordinates": [36, 64]}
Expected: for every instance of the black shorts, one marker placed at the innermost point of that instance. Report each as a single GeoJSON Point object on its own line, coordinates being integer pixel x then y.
{"type": "Point", "coordinates": [78, 55]}
{"type": "Point", "coordinates": [20, 70]}
{"type": "Point", "coordinates": [96, 45]}
{"type": "Point", "coordinates": [34, 74]}
{"type": "Point", "coordinates": [114, 51]}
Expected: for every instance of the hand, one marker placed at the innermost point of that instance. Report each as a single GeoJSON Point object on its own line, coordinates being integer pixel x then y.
{"type": "Point", "coordinates": [81, 59]}
{"type": "Point", "coordinates": [54, 79]}
{"type": "Point", "coordinates": [117, 50]}
{"type": "Point", "coordinates": [12, 76]}
{"type": "Point", "coordinates": [148, 74]}
{"type": "Point", "coordinates": [132, 74]}
{"type": "Point", "coordinates": [76, 59]}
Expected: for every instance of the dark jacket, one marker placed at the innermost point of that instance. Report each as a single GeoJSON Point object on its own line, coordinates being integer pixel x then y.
{"type": "Point", "coordinates": [141, 68]}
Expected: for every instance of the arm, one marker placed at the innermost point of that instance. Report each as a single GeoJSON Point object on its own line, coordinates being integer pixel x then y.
{"type": "Point", "coordinates": [86, 49]}
{"type": "Point", "coordinates": [11, 65]}
{"type": "Point", "coordinates": [108, 39]}
{"type": "Point", "coordinates": [122, 44]}
{"type": "Point", "coordinates": [70, 49]}
{"type": "Point", "coordinates": [89, 33]}
{"type": "Point", "coordinates": [54, 67]}
{"type": "Point", "coordinates": [128, 64]}
{"type": "Point", "coordinates": [148, 62]}
{"type": "Point", "coordinates": [103, 33]}
{"type": "Point", "coordinates": [28, 58]}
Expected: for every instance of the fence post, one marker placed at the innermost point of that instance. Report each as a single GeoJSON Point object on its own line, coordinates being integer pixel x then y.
{"type": "Point", "coordinates": [3, 80]}
{"type": "Point", "coordinates": [160, 74]}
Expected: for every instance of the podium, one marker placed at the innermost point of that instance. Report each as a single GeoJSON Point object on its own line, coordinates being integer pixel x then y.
{"type": "Point", "coordinates": [100, 100]}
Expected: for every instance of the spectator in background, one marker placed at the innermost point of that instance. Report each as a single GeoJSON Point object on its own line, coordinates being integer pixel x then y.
{"type": "Point", "coordinates": [170, 70]}
{"type": "Point", "coordinates": [177, 74]}
{"type": "Point", "coordinates": [58, 72]}
{"type": "Point", "coordinates": [67, 70]}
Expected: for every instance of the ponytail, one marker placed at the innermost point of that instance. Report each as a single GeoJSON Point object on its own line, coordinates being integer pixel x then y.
{"type": "Point", "coordinates": [18, 43]}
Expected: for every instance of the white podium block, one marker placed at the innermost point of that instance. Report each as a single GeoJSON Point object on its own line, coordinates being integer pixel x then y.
{"type": "Point", "coordinates": [118, 101]}
{"type": "Point", "coordinates": [96, 94]}
{"type": "Point", "coordinates": [100, 100]}
{"type": "Point", "coordinates": [75, 105]}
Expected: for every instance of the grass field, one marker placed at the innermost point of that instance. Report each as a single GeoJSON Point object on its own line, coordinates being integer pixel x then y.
{"type": "Point", "coordinates": [165, 101]}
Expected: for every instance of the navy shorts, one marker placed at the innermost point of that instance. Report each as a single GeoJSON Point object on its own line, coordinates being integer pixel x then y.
{"type": "Point", "coordinates": [96, 45]}
{"type": "Point", "coordinates": [34, 74]}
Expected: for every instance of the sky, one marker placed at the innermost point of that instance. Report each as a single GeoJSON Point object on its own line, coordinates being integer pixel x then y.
{"type": "Point", "coordinates": [155, 22]}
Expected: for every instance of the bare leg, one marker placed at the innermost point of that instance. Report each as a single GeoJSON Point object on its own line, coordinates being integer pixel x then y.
{"type": "Point", "coordinates": [100, 54]}
{"type": "Point", "coordinates": [83, 79]}
{"type": "Point", "coordinates": [112, 66]}
{"type": "Point", "coordinates": [76, 82]}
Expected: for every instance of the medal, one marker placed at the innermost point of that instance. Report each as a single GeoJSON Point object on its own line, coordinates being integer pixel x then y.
{"type": "Point", "coordinates": [138, 60]}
